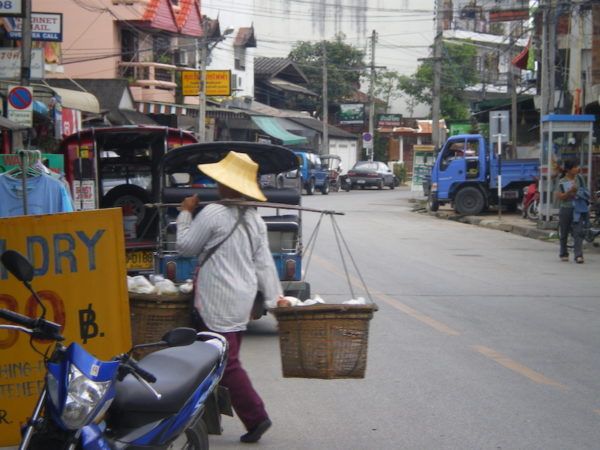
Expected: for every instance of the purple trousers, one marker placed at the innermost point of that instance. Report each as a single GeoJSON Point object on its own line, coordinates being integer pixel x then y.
{"type": "Point", "coordinates": [245, 400]}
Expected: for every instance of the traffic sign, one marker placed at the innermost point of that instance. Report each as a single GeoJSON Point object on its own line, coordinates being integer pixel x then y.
{"type": "Point", "coordinates": [367, 139]}
{"type": "Point", "coordinates": [20, 105]}
{"type": "Point", "coordinates": [20, 97]}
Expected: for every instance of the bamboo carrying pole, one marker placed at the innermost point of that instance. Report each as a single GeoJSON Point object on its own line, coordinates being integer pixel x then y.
{"type": "Point", "coordinates": [251, 204]}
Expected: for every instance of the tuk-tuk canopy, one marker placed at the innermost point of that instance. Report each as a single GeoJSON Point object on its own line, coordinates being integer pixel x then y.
{"type": "Point", "coordinates": [270, 158]}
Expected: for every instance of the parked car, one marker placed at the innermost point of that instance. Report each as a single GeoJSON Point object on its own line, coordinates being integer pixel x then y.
{"type": "Point", "coordinates": [369, 173]}
{"type": "Point", "coordinates": [312, 174]}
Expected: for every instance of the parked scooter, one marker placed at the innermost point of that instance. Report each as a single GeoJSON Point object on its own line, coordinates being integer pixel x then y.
{"type": "Point", "coordinates": [530, 207]}
{"type": "Point", "coordinates": [91, 404]}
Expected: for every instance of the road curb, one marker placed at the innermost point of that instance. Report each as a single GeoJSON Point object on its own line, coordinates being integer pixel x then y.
{"type": "Point", "coordinates": [486, 222]}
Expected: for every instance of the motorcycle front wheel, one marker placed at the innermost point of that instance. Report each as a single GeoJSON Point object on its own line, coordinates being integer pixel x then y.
{"type": "Point", "coordinates": [194, 438]}
{"type": "Point", "coordinates": [533, 211]}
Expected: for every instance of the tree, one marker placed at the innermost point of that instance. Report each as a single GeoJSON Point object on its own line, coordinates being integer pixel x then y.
{"type": "Point", "coordinates": [344, 68]}
{"type": "Point", "coordinates": [387, 86]}
{"type": "Point", "coordinates": [459, 71]}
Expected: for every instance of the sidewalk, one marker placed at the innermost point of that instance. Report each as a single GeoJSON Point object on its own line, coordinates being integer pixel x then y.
{"type": "Point", "coordinates": [510, 222]}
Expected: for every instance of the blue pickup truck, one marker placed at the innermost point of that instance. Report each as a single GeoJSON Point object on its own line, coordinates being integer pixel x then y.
{"type": "Point", "coordinates": [465, 174]}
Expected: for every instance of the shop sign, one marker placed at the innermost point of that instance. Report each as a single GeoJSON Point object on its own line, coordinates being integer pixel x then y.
{"type": "Point", "coordinates": [12, 7]}
{"type": "Point", "coordinates": [84, 194]}
{"type": "Point", "coordinates": [218, 83]}
{"type": "Point", "coordinates": [44, 27]}
{"type": "Point", "coordinates": [54, 162]}
{"type": "Point", "coordinates": [70, 121]}
{"type": "Point", "coordinates": [79, 261]}
{"type": "Point", "coordinates": [352, 113]}
{"type": "Point", "coordinates": [10, 63]}
{"type": "Point", "coordinates": [389, 120]}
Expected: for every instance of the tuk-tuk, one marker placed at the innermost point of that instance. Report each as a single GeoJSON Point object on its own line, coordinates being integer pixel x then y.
{"type": "Point", "coordinates": [333, 165]}
{"type": "Point", "coordinates": [118, 167]}
{"type": "Point", "coordinates": [180, 178]}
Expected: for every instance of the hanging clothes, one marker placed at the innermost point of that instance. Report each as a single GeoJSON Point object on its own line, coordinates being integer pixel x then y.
{"type": "Point", "coordinates": [45, 195]}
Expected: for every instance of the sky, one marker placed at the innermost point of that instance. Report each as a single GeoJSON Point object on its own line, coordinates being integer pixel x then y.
{"type": "Point", "coordinates": [405, 28]}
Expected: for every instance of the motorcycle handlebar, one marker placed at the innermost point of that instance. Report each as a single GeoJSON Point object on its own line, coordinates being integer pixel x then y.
{"type": "Point", "coordinates": [17, 318]}
{"type": "Point", "coordinates": [144, 374]}
{"type": "Point", "coordinates": [42, 329]}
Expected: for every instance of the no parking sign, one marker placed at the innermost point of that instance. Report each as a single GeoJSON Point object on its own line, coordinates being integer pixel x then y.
{"type": "Point", "coordinates": [20, 105]}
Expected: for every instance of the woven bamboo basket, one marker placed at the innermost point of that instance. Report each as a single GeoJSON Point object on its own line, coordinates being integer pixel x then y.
{"type": "Point", "coordinates": [153, 315]}
{"type": "Point", "coordinates": [324, 341]}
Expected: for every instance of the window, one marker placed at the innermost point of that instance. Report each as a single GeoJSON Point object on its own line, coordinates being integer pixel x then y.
{"type": "Point", "coordinates": [239, 57]}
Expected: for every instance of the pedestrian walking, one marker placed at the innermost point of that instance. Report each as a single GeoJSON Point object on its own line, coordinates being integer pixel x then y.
{"type": "Point", "coordinates": [571, 194]}
{"type": "Point", "coordinates": [235, 262]}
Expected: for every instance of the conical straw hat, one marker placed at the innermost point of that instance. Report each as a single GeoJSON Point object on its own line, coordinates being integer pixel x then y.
{"type": "Point", "coordinates": [238, 172]}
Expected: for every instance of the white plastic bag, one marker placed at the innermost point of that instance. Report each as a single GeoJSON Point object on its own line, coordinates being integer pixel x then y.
{"type": "Point", "coordinates": [140, 285]}
{"type": "Point", "coordinates": [165, 287]}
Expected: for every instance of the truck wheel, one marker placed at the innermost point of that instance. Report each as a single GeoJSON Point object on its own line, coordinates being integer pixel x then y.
{"type": "Point", "coordinates": [325, 188]}
{"type": "Point", "coordinates": [469, 201]}
{"type": "Point", "coordinates": [432, 204]}
{"type": "Point", "coordinates": [310, 187]}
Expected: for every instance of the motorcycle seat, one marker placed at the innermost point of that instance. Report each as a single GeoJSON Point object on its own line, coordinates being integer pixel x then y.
{"type": "Point", "coordinates": [178, 371]}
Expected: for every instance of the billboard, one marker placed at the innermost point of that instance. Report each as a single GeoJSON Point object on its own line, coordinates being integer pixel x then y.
{"type": "Point", "coordinates": [509, 10]}
{"type": "Point", "coordinates": [218, 83]}
{"type": "Point", "coordinates": [352, 113]}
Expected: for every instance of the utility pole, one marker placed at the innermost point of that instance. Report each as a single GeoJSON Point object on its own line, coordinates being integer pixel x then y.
{"type": "Point", "coordinates": [202, 87]}
{"type": "Point", "coordinates": [372, 95]}
{"type": "Point", "coordinates": [437, 74]}
{"type": "Point", "coordinates": [544, 53]}
{"type": "Point", "coordinates": [26, 44]}
{"type": "Point", "coordinates": [512, 84]}
{"type": "Point", "coordinates": [551, 23]}
{"type": "Point", "coordinates": [325, 147]}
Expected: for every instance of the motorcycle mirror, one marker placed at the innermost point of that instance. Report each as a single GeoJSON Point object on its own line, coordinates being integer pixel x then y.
{"type": "Point", "coordinates": [179, 337]}
{"type": "Point", "coordinates": [16, 264]}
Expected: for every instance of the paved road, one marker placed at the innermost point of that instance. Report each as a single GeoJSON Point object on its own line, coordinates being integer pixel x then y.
{"type": "Point", "coordinates": [483, 340]}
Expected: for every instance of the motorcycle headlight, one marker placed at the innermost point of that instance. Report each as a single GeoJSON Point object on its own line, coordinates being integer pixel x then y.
{"type": "Point", "coordinates": [83, 397]}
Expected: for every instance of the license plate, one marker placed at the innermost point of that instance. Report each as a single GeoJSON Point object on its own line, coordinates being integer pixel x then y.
{"type": "Point", "coordinates": [139, 260]}
{"type": "Point", "coordinates": [510, 194]}
{"type": "Point", "coordinates": [360, 181]}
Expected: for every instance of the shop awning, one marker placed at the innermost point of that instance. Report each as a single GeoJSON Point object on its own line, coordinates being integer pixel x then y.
{"type": "Point", "coordinates": [270, 126]}
{"type": "Point", "coordinates": [7, 124]}
{"type": "Point", "coordinates": [80, 100]}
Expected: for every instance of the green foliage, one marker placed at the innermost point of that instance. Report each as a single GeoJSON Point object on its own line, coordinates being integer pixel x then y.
{"type": "Point", "coordinates": [387, 86]}
{"type": "Point", "coordinates": [400, 172]}
{"type": "Point", "coordinates": [459, 71]}
{"type": "Point", "coordinates": [380, 147]}
{"type": "Point", "coordinates": [344, 68]}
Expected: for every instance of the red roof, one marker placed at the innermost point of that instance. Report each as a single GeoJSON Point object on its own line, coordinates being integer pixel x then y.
{"type": "Point", "coordinates": [162, 15]}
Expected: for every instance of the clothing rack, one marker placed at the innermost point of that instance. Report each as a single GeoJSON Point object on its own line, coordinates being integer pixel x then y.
{"type": "Point", "coordinates": [27, 159]}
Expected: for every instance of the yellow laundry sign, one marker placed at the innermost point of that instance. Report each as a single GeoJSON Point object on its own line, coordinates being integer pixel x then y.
{"type": "Point", "coordinates": [80, 275]}
{"type": "Point", "coordinates": [218, 83]}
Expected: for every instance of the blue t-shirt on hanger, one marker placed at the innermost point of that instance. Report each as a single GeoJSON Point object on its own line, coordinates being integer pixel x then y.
{"type": "Point", "coordinates": [45, 195]}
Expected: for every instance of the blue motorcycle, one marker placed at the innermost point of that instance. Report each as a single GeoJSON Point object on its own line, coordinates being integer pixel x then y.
{"type": "Point", "coordinates": [156, 403]}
